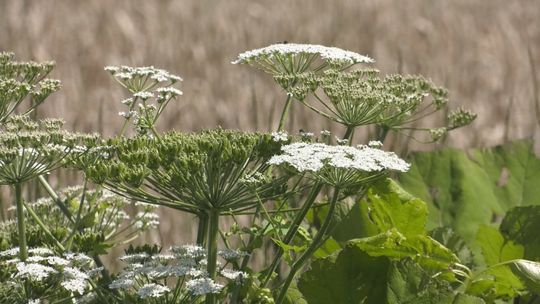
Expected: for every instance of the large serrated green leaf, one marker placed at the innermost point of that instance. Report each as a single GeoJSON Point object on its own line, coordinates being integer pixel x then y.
{"type": "Point", "coordinates": [522, 225]}
{"type": "Point", "coordinates": [498, 280]}
{"type": "Point", "coordinates": [385, 206]}
{"type": "Point", "coordinates": [424, 250]}
{"type": "Point", "coordinates": [352, 276]}
{"type": "Point", "coordinates": [464, 190]}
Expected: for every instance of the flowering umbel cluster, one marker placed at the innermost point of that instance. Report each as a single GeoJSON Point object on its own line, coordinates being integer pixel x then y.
{"type": "Point", "coordinates": [176, 277]}
{"type": "Point", "coordinates": [339, 166]}
{"type": "Point", "coordinates": [152, 90]}
{"type": "Point", "coordinates": [193, 172]}
{"type": "Point", "coordinates": [18, 80]}
{"type": "Point", "coordinates": [29, 149]}
{"type": "Point", "coordinates": [45, 274]}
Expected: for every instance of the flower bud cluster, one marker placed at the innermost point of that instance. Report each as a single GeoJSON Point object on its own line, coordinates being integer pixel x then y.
{"type": "Point", "coordinates": [29, 149]}
{"type": "Point", "coordinates": [194, 172]}
{"type": "Point", "coordinates": [20, 79]}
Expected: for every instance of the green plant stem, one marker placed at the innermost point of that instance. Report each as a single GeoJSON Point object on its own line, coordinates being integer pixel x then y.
{"type": "Point", "coordinates": [213, 230]}
{"type": "Point", "coordinates": [284, 113]}
{"type": "Point", "coordinates": [349, 133]}
{"type": "Point", "coordinates": [382, 132]}
{"type": "Point", "coordinates": [43, 226]}
{"type": "Point", "coordinates": [202, 229]}
{"type": "Point", "coordinates": [316, 242]}
{"type": "Point", "coordinates": [23, 248]}
{"type": "Point", "coordinates": [292, 231]}
{"type": "Point", "coordinates": [55, 197]}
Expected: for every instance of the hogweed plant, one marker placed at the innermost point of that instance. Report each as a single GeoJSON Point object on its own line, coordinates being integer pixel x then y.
{"type": "Point", "coordinates": [283, 195]}
{"type": "Point", "coordinates": [286, 62]}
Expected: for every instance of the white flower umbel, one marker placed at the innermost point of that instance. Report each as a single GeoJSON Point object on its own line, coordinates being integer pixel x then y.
{"type": "Point", "coordinates": [33, 271]}
{"type": "Point", "coordinates": [338, 165]}
{"type": "Point", "coordinates": [280, 136]}
{"type": "Point", "coordinates": [203, 286]}
{"type": "Point", "coordinates": [152, 291]}
{"type": "Point", "coordinates": [233, 275]}
{"type": "Point", "coordinates": [326, 53]}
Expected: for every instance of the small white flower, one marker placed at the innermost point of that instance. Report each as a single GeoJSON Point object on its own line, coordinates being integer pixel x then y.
{"type": "Point", "coordinates": [33, 271]}
{"type": "Point", "coordinates": [280, 136]}
{"type": "Point", "coordinates": [54, 260]}
{"type": "Point", "coordinates": [75, 285]}
{"type": "Point", "coordinates": [40, 251]}
{"type": "Point", "coordinates": [135, 258]}
{"type": "Point", "coordinates": [326, 133]}
{"type": "Point", "coordinates": [189, 251]}
{"type": "Point", "coordinates": [375, 143]}
{"type": "Point", "coordinates": [202, 286]}
{"type": "Point", "coordinates": [35, 301]}
{"type": "Point", "coordinates": [233, 274]}
{"type": "Point", "coordinates": [144, 95]}
{"type": "Point", "coordinates": [152, 291]}
{"type": "Point", "coordinates": [169, 91]}
{"type": "Point", "coordinates": [122, 283]}
{"type": "Point", "coordinates": [231, 254]}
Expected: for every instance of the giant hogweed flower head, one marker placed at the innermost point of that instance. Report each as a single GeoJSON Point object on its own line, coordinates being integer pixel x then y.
{"type": "Point", "coordinates": [18, 80]}
{"type": "Point", "coordinates": [68, 274]}
{"type": "Point", "coordinates": [29, 149]}
{"type": "Point", "coordinates": [151, 88]}
{"type": "Point", "coordinates": [285, 61]}
{"type": "Point", "coordinates": [183, 267]}
{"type": "Point", "coordinates": [339, 166]}
{"type": "Point", "coordinates": [196, 173]}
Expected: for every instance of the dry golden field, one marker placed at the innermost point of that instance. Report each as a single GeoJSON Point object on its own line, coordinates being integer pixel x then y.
{"type": "Point", "coordinates": [486, 52]}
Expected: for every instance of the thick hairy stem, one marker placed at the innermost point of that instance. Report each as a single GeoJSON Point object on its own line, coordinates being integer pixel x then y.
{"type": "Point", "coordinates": [292, 231]}
{"type": "Point", "coordinates": [23, 248]}
{"type": "Point", "coordinates": [285, 112]}
{"type": "Point", "coordinates": [316, 243]}
{"type": "Point", "coordinates": [213, 230]}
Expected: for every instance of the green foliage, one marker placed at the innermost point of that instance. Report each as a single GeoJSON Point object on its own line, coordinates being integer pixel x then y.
{"type": "Point", "coordinates": [464, 190]}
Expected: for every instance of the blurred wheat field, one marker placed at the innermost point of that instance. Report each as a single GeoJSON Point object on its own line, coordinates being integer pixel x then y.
{"type": "Point", "coordinates": [487, 53]}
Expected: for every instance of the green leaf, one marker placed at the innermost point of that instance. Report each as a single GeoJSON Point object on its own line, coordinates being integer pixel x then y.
{"type": "Point", "coordinates": [408, 283]}
{"type": "Point", "coordinates": [423, 249]}
{"type": "Point", "coordinates": [467, 299]}
{"type": "Point", "coordinates": [529, 272]}
{"type": "Point", "coordinates": [294, 296]}
{"type": "Point", "coordinates": [449, 239]}
{"type": "Point", "coordinates": [327, 248]}
{"type": "Point", "coordinates": [521, 225]}
{"type": "Point", "coordinates": [495, 248]}
{"type": "Point", "coordinates": [464, 190]}
{"type": "Point", "coordinates": [348, 277]}
{"type": "Point", "coordinates": [351, 276]}
{"type": "Point", "coordinates": [497, 281]}
{"type": "Point", "coordinates": [355, 224]}
{"type": "Point", "coordinates": [386, 206]}
{"type": "Point", "coordinates": [389, 211]}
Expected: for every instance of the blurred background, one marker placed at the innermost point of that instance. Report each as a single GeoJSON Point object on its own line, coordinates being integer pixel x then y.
{"type": "Point", "coordinates": [487, 53]}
